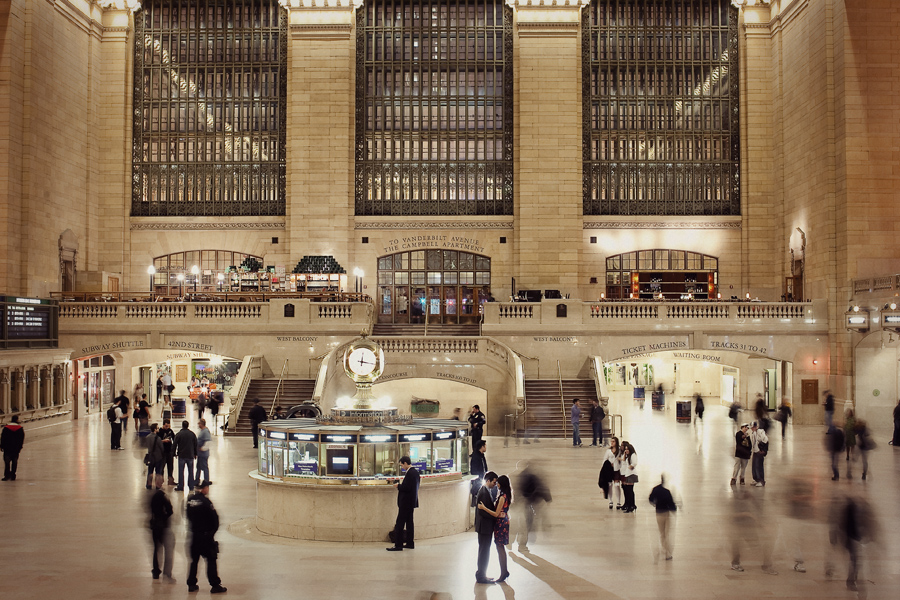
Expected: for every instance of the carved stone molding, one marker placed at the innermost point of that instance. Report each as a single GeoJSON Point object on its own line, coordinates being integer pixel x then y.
{"type": "Point", "coordinates": [550, 29]}
{"type": "Point", "coordinates": [434, 225]}
{"type": "Point", "coordinates": [181, 226]}
{"type": "Point", "coordinates": [324, 31]}
{"type": "Point", "coordinates": [662, 225]}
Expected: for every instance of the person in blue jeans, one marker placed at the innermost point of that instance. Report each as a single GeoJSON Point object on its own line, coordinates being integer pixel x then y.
{"type": "Point", "coordinates": [186, 451]}
{"type": "Point", "coordinates": [203, 441]}
{"type": "Point", "coordinates": [576, 422]}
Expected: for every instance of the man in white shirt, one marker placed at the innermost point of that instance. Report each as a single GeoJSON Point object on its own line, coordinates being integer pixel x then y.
{"type": "Point", "coordinates": [167, 385]}
{"type": "Point", "coordinates": [760, 449]}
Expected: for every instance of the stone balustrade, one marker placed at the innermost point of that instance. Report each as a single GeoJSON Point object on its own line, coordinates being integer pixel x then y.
{"type": "Point", "coordinates": [563, 315]}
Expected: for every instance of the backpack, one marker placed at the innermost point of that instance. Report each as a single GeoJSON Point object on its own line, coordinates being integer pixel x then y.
{"type": "Point", "coordinates": [111, 413]}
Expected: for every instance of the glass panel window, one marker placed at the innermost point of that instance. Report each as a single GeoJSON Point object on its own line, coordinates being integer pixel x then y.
{"type": "Point", "coordinates": [417, 278]}
{"type": "Point", "coordinates": [434, 277]}
{"type": "Point", "coordinates": [661, 107]}
{"type": "Point", "coordinates": [209, 108]}
{"type": "Point", "coordinates": [482, 278]}
{"type": "Point", "coordinates": [437, 95]}
{"type": "Point", "coordinates": [450, 277]}
{"type": "Point", "coordinates": [467, 277]}
{"type": "Point", "coordinates": [385, 277]}
{"type": "Point", "coordinates": [401, 278]}
{"type": "Point", "coordinates": [417, 259]}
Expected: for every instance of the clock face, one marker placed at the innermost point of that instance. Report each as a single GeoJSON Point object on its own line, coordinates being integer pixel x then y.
{"type": "Point", "coordinates": [362, 361]}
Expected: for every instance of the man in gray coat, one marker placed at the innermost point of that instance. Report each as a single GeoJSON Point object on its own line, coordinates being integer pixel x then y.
{"type": "Point", "coordinates": [186, 451]}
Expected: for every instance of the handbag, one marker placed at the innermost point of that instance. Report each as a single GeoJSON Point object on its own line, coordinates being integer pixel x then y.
{"type": "Point", "coordinates": [631, 479]}
{"type": "Point", "coordinates": [147, 459]}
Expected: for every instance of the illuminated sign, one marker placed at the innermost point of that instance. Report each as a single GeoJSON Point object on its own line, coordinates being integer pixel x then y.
{"type": "Point", "coordinates": [857, 320]}
{"type": "Point", "coordinates": [277, 435]}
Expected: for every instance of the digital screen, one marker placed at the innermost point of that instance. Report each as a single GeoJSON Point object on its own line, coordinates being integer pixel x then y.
{"type": "Point", "coordinates": [27, 322]}
{"type": "Point", "coordinates": [340, 461]}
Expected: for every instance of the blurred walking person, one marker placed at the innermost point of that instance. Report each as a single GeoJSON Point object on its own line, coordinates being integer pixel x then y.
{"type": "Point", "coordinates": [783, 415]}
{"type": "Point", "coordinates": [161, 533]}
{"type": "Point", "coordinates": [155, 458]}
{"type": "Point", "coordinates": [661, 498]}
{"type": "Point", "coordinates": [534, 492]}
{"type": "Point", "coordinates": [203, 442]}
{"type": "Point", "coordinates": [895, 440]}
{"type": "Point", "coordinates": [204, 522]}
{"type": "Point", "coordinates": [834, 443]}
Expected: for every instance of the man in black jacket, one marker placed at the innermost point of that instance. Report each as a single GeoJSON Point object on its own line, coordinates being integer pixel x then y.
{"type": "Point", "coordinates": [161, 533]}
{"type": "Point", "coordinates": [204, 521]}
{"type": "Point", "coordinates": [257, 415]}
{"type": "Point", "coordinates": [597, 416]}
{"type": "Point", "coordinates": [484, 525]}
{"type": "Point", "coordinates": [11, 441]}
{"type": "Point", "coordinates": [186, 451]}
{"type": "Point", "coordinates": [407, 502]}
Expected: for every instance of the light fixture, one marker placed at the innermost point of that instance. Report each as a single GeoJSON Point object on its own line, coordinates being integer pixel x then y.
{"type": "Point", "coordinates": [815, 361]}
{"type": "Point", "coordinates": [856, 308]}
{"type": "Point", "coordinates": [151, 271]}
{"type": "Point", "coordinates": [602, 296]}
{"type": "Point", "coordinates": [893, 305]}
{"type": "Point", "coordinates": [748, 295]}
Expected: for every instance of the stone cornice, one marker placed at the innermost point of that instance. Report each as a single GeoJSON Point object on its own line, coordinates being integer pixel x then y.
{"type": "Point", "coordinates": [776, 23]}
{"type": "Point", "coordinates": [321, 31]}
{"type": "Point", "coordinates": [729, 223]}
{"type": "Point", "coordinates": [178, 225]}
{"type": "Point", "coordinates": [547, 29]}
{"type": "Point", "coordinates": [433, 224]}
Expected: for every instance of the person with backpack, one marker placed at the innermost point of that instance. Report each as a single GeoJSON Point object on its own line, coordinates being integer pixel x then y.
{"type": "Point", "coordinates": [155, 458]}
{"type": "Point", "coordinates": [596, 419]}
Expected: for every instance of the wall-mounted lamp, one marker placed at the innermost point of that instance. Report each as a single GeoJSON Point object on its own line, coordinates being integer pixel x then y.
{"type": "Point", "coordinates": [815, 361]}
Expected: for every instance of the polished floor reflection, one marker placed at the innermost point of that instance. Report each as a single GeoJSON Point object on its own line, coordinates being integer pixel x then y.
{"type": "Point", "coordinates": [73, 524]}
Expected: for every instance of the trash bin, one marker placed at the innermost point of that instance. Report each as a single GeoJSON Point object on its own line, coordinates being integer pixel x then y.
{"type": "Point", "coordinates": [683, 411]}
{"type": "Point", "coordinates": [179, 408]}
{"type": "Point", "coordinates": [659, 400]}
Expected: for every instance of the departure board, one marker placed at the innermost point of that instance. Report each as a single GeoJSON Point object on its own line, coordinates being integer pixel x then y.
{"type": "Point", "coordinates": [29, 322]}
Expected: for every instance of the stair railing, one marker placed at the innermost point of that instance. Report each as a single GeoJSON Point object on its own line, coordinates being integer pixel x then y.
{"type": "Point", "coordinates": [278, 389]}
{"type": "Point", "coordinates": [562, 400]}
{"type": "Point", "coordinates": [251, 366]}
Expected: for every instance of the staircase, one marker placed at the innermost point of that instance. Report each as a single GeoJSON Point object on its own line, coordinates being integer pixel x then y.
{"type": "Point", "coordinates": [414, 330]}
{"type": "Point", "coordinates": [293, 391]}
{"type": "Point", "coordinates": [546, 410]}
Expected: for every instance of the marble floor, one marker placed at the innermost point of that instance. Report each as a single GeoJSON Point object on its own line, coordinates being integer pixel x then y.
{"type": "Point", "coordinates": [73, 525]}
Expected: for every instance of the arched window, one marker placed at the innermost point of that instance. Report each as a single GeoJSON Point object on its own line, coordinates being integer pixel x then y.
{"type": "Point", "coordinates": [676, 274]}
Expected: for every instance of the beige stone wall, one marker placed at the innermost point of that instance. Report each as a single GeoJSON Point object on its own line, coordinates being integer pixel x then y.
{"type": "Point", "coordinates": [547, 154]}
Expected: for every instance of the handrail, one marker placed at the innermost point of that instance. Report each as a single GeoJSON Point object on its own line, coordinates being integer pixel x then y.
{"type": "Point", "coordinates": [188, 296]}
{"type": "Point", "coordinates": [562, 400]}
{"type": "Point", "coordinates": [242, 381]}
{"type": "Point", "coordinates": [278, 389]}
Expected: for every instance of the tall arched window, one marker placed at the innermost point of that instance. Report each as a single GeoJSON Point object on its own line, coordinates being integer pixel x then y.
{"type": "Point", "coordinates": [675, 274]}
{"type": "Point", "coordinates": [434, 112]}
{"type": "Point", "coordinates": [661, 127]}
{"type": "Point", "coordinates": [209, 108]}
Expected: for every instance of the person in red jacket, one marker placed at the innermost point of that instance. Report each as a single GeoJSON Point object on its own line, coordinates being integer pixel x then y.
{"type": "Point", "coordinates": [11, 441]}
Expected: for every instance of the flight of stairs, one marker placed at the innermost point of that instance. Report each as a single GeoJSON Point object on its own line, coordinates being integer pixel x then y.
{"type": "Point", "coordinates": [293, 391]}
{"type": "Point", "coordinates": [412, 330]}
{"type": "Point", "coordinates": [542, 396]}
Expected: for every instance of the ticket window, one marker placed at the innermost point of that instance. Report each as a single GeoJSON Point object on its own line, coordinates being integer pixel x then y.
{"type": "Point", "coordinates": [340, 459]}
{"type": "Point", "coordinates": [276, 450]}
{"type": "Point", "coordinates": [444, 452]}
{"type": "Point", "coordinates": [378, 459]}
{"type": "Point", "coordinates": [303, 458]}
{"type": "Point", "coordinates": [263, 453]}
{"type": "Point", "coordinates": [418, 448]}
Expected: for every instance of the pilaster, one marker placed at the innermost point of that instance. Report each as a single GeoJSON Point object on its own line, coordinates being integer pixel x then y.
{"type": "Point", "coordinates": [548, 161]}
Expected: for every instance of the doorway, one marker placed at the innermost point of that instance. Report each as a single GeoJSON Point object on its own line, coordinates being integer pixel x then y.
{"type": "Point", "coordinates": [437, 286]}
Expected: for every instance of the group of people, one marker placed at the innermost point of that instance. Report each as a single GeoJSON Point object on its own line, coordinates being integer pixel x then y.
{"type": "Point", "coordinates": [618, 474]}
{"type": "Point", "coordinates": [750, 443]}
{"type": "Point", "coordinates": [164, 446]}
{"type": "Point", "coordinates": [596, 416]}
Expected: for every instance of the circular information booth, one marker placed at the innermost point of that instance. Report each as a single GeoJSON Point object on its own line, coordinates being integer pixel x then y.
{"type": "Point", "coordinates": [333, 478]}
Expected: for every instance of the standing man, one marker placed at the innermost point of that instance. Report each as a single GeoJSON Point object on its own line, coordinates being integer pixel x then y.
{"type": "Point", "coordinates": [186, 451]}
{"type": "Point", "coordinates": [476, 426]}
{"type": "Point", "coordinates": [407, 502]}
{"type": "Point", "coordinates": [161, 532]}
{"type": "Point", "coordinates": [760, 449]}
{"type": "Point", "coordinates": [159, 387]}
{"type": "Point", "coordinates": [167, 385]}
{"type": "Point", "coordinates": [122, 401]}
{"type": "Point", "coordinates": [829, 409]}
{"type": "Point", "coordinates": [257, 415]}
{"type": "Point", "coordinates": [116, 414]}
{"type": "Point", "coordinates": [168, 438]}
{"type": "Point", "coordinates": [576, 423]}
{"type": "Point", "coordinates": [204, 521]}
{"type": "Point", "coordinates": [597, 416]}
{"type": "Point", "coordinates": [484, 525]}
{"type": "Point", "coordinates": [12, 438]}
{"type": "Point", "coordinates": [203, 441]}
{"type": "Point", "coordinates": [478, 467]}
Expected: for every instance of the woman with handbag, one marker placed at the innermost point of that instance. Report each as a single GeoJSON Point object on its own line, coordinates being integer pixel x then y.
{"type": "Point", "coordinates": [615, 479]}
{"type": "Point", "coordinates": [627, 468]}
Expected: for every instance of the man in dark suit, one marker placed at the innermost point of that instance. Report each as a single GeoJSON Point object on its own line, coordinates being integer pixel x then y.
{"type": "Point", "coordinates": [407, 502]}
{"type": "Point", "coordinates": [484, 525]}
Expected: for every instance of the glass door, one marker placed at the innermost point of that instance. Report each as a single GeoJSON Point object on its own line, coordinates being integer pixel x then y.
{"type": "Point", "coordinates": [468, 307]}
{"type": "Point", "coordinates": [451, 308]}
{"type": "Point", "coordinates": [385, 312]}
{"type": "Point", "coordinates": [434, 304]}
{"type": "Point", "coordinates": [401, 304]}
{"type": "Point", "coordinates": [417, 314]}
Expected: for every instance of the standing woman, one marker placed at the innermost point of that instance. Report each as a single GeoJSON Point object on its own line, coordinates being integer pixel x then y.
{"type": "Point", "coordinates": [743, 450]}
{"type": "Point", "coordinates": [501, 524]}
{"type": "Point", "coordinates": [615, 483]}
{"type": "Point", "coordinates": [628, 467]}
{"type": "Point", "coordinates": [895, 441]}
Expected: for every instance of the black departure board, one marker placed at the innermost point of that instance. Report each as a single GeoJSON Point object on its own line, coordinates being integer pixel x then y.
{"type": "Point", "coordinates": [29, 322]}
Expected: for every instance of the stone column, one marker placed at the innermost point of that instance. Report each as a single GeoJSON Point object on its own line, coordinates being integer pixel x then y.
{"type": "Point", "coordinates": [18, 400]}
{"type": "Point", "coordinates": [5, 392]}
{"type": "Point", "coordinates": [320, 163]}
{"type": "Point", "coordinates": [549, 202]}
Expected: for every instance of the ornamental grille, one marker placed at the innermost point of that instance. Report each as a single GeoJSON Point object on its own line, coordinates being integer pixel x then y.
{"type": "Point", "coordinates": [434, 113]}
{"type": "Point", "coordinates": [661, 127]}
{"type": "Point", "coordinates": [209, 108]}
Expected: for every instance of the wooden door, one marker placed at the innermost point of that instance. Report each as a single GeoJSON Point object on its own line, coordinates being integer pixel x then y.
{"type": "Point", "coordinates": [809, 391]}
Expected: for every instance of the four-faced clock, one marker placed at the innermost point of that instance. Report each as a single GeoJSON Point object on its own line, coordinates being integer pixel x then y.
{"type": "Point", "coordinates": [362, 361]}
